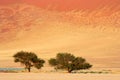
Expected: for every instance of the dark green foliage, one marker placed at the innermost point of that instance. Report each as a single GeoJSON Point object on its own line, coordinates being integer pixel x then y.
{"type": "Point", "coordinates": [53, 62]}
{"type": "Point", "coordinates": [69, 62]}
{"type": "Point", "coordinates": [28, 59]}
{"type": "Point", "coordinates": [39, 63]}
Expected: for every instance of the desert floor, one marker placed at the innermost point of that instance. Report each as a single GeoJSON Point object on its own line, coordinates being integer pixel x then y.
{"type": "Point", "coordinates": [57, 76]}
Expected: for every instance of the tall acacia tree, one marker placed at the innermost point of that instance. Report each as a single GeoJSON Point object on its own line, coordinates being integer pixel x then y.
{"type": "Point", "coordinates": [28, 59]}
{"type": "Point", "coordinates": [69, 62]}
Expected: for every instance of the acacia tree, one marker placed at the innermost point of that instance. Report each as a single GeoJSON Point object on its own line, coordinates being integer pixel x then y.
{"type": "Point", "coordinates": [69, 62]}
{"type": "Point", "coordinates": [28, 59]}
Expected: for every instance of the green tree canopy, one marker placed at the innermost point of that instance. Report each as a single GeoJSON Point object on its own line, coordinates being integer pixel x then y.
{"type": "Point", "coordinates": [28, 59]}
{"type": "Point", "coordinates": [69, 62]}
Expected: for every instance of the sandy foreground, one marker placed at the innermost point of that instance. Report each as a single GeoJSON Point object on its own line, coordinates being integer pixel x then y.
{"type": "Point", "coordinates": [57, 76]}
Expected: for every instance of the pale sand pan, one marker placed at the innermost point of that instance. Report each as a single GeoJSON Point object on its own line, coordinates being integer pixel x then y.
{"type": "Point", "coordinates": [57, 76]}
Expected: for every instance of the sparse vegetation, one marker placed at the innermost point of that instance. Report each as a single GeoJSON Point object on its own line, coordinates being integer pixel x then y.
{"type": "Point", "coordinates": [69, 62]}
{"type": "Point", "coordinates": [28, 59]}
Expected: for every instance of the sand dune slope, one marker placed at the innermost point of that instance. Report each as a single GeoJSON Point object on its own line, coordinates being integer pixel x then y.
{"type": "Point", "coordinates": [94, 35]}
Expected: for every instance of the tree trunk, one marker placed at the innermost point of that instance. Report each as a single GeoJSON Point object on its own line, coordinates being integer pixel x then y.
{"type": "Point", "coordinates": [29, 69]}
{"type": "Point", "coordinates": [69, 70]}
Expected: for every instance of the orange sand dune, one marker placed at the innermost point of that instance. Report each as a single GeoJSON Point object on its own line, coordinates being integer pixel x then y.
{"type": "Point", "coordinates": [66, 5]}
{"type": "Point", "coordinates": [93, 35]}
